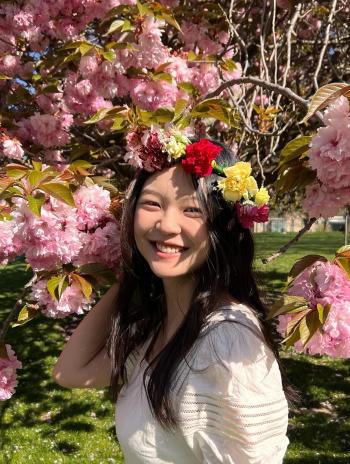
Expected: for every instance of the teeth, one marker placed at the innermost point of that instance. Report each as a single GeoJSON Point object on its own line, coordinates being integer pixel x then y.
{"type": "Point", "coordinates": [166, 249]}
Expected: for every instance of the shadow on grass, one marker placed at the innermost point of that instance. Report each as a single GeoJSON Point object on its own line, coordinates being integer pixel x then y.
{"type": "Point", "coordinates": [67, 447]}
{"type": "Point", "coordinates": [321, 422]}
{"type": "Point", "coordinates": [270, 282]}
{"type": "Point", "coordinates": [37, 345]}
{"type": "Point", "coordinates": [319, 459]}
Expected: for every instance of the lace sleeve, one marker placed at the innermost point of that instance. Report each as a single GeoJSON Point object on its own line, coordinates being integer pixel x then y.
{"type": "Point", "coordinates": [232, 408]}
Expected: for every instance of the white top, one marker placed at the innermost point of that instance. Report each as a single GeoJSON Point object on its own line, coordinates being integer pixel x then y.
{"type": "Point", "coordinates": [233, 412]}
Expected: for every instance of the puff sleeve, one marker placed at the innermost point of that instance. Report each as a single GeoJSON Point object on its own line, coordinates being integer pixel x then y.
{"type": "Point", "coordinates": [233, 409]}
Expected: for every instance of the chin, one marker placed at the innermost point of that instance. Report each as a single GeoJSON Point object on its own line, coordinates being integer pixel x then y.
{"type": "Point", "coordinates": [168, 274]}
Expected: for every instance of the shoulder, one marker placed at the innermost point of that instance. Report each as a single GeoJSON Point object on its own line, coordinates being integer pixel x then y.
{"type": "Point", "coordinates": [231, 355]}
{"type": "Point", "coordinates": [232, 333]}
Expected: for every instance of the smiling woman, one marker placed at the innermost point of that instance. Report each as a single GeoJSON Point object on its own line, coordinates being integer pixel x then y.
{"type": "Point", "coordinates": [188, 340]}
{"type": "Point", "coordinates": [170, 225]}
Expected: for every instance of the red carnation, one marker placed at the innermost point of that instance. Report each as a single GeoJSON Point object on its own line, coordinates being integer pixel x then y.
{"type": "Point", "coordinates": [199, 156]}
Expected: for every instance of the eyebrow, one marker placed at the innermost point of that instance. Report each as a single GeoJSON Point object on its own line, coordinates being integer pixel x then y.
{"type": "Point", "coordinates": [154, 192]}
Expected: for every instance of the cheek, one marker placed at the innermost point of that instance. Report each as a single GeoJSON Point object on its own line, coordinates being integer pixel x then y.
{"type": "Point", "coordinates": [139, 225]}
{"type": "Point", "coordinates": [143, 223]}
{"type": "Point", "coordinates": [200, 236]}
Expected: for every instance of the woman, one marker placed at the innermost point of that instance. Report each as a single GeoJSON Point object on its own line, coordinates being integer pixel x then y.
{"type": "Point", "coordinates": [184, 331]}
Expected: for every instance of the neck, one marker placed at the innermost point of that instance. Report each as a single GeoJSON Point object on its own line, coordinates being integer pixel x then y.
{"type": "Point", "coordinates": [178, 294]}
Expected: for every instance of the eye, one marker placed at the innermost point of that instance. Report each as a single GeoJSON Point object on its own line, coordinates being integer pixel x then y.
{"type": "Point", "coordinates": [194, 210]}
{"type": "Point", "coordinates": [150, 203]}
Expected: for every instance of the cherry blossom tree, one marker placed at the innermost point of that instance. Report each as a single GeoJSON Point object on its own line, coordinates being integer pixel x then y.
{"type": "Point", "coordinates": [77, 78]}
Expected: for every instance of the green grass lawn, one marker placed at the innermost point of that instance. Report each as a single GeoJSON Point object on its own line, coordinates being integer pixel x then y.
{"type": "Point", "coordinates": [46, 423]}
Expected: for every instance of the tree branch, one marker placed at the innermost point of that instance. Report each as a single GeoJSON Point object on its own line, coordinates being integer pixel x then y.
{"type": "Point", "coordinates": [259, 82]}
{"type": "Point", "coordinates": [285, 247]}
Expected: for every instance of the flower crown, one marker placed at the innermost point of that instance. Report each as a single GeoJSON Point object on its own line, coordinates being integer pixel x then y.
{"type": "Point", "coordinates": [154, 151]}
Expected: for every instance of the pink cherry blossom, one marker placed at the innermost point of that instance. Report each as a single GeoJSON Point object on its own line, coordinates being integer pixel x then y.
{"type": "Point", "coordinates": [12, 149]}
{"type": "Point", "coordinates": [10, 245]}
{"type": "Point", "coordinates": [82, 97]}
{"type": "Point", "coordinates": [323, 282]}
{"type": "Point", "coordinates": [179, 69]}
{"type": "Point", "coordinates": [196, 38]}
{"type": "Point", "coordinates": [151, 95]}
{"type": "Point", "coordinates": [334, 337]}
{"type": "Point", "coordinates": [50, 103]}
{"type": "Point", "coordinates": [205, 77]}
{"type": "Point", "coordinates": [234, 74]}
{"type": "Point", "coordinates": [92, 206]}
{"type": "Point", "coordinates": [51, 240]}
{"type": "Point", "coordinates": [8, 374]}
{"type": "Point", "coordinates": [9, 65]}
{"type": "Point", "coordinates": [338, 113]}
{"type": "Point", "coordinates": [101, 246]}
{"type": "Point", "coordinates": [46, 130]}
{"type": "Point", "coordinates": [88, 66]}
{"type": "Point", "coordinates": [330, 148]}
{"type": "Point", "coordinates": [71, 301]}
{"type": "Point", "coordinates": [150, 50]}
{"type": "Point", "coordinates": [55, 158]}
{"type": "Point", "coordinates": [321, 200]}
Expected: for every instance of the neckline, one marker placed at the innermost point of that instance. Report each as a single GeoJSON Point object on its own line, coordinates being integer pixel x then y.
{"type": "Point", "coordinates": [210, 317]}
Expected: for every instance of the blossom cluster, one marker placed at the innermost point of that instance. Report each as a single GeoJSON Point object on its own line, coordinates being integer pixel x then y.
{"type": "Point", "coordinates": [95, 81]}
{"type": "Point", "coordinates": [8, 376]}
{"type": "Point", "coordinates": [63, 235]}
{"type": "Point", "coordinates": [10, 147]}
{"type": "Point", "coordinates": [324, 283]}
{"type": "Point", "coordinates": [329, 156]}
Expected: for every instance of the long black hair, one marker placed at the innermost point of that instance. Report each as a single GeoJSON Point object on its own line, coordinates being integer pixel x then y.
{"type": "Point", "coordinates": [139, 311]}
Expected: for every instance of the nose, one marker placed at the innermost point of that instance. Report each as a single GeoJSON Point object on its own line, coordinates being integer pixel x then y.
{"type": "Point", "coordinates": [168, 222]}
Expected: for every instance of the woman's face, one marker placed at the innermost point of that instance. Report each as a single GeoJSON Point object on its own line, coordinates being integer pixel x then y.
{"type": "Point", "coordinates": [169, 226]}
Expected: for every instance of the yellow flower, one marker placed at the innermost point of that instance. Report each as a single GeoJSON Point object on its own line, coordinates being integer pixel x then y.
{"type": "Point", "coordinates": [233, 189]}
{"type": "Point", "coordinates": [238, 182]}
{"type": "Point", "coordinates": [252, 186]}
{"type": "Point", "coordinates": [238, 170]}
{"type": "Point", "coordinates": [175, 148]}
{"type": "Point", "coordinates": [262, 197]}
{"type": "Point", "coordinates": [181, 138]}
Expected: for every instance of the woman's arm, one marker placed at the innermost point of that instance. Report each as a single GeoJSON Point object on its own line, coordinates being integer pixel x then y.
{"type": "Point", "coordinates": [84, 361]}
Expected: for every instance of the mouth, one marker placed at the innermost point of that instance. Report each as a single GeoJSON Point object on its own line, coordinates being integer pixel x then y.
{"type": "Point", "coordinates": [162, 249]}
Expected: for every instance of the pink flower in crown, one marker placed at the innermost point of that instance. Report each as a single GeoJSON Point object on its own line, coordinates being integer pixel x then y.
{"type": "Point", "coordinates": [248, 214]}
{"type": "Point", "coordinates": [152, 153]}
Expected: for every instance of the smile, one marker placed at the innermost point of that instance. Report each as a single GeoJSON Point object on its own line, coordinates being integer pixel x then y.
{"type": "Point", "coordinates": [168, 250]}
